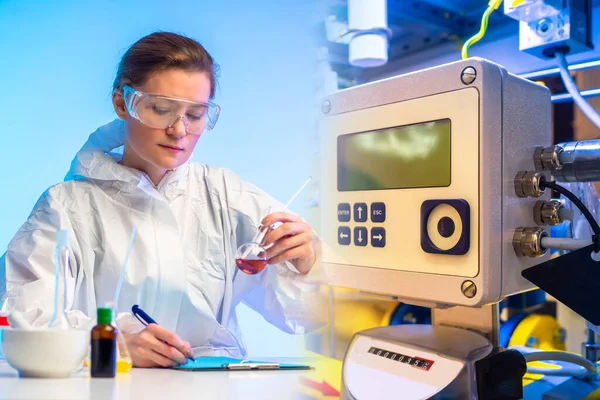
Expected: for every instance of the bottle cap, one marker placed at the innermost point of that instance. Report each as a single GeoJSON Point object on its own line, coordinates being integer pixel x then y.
{"type": "Point", "coordinates": [104, 316]}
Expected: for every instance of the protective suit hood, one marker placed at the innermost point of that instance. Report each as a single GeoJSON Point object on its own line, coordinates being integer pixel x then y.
{"type": "Point", "coordinates": [97, 160]}
{"type": "Point", "coordinates": [93, 161]}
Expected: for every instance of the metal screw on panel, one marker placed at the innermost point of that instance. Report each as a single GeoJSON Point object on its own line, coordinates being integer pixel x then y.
{"type": "Point", "coordinates": [326, 107]}
{"type": "Point", "coordinates": [469, 289]}
{"type": "Point", "coordinates": [468, 75]}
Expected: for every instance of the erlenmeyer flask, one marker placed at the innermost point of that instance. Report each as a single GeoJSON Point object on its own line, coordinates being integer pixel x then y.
{"type": "Point", "coordinates": [124, 361]}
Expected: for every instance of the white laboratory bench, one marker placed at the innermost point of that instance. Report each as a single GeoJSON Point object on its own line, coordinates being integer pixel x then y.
{"type": "Point", "coordinates": [157, 384]}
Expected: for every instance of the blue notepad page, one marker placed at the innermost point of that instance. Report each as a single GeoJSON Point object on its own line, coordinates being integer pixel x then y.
{"type": "Point", "coordinates": [219, 363]}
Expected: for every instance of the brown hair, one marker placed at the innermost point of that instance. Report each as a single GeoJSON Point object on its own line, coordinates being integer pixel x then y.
{"type": "Point", "coordinates": [160, 51]}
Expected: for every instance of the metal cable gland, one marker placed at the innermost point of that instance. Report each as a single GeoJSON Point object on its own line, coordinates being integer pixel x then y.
{"type": "Point", "coordinates": [547, 158]}
{"type": "Point", "coordinates": [527, 184]}
{"type": "Point", "coordinates": [527, 242]}
{"type": "Point", "coordinates": [547, 212]}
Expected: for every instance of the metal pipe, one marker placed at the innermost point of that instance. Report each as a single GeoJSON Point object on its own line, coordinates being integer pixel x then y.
{"type": "Point", "coordinates": [566, 97]}
{"type": "Point", "coordinates": [579, 161]}
{"type": "Point", "coordinates": [554, 71]}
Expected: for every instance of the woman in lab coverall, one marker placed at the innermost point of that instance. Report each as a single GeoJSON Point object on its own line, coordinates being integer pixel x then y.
{"type": "Point", "coordinates": [190, 217]}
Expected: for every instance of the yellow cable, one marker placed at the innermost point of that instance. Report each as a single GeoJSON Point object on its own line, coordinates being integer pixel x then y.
{"type": "Point", "coordinates": [492, 5]}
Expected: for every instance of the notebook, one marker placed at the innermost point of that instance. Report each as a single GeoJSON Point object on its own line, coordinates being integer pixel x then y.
{"type": "Point", "coordinates": [234, 364]}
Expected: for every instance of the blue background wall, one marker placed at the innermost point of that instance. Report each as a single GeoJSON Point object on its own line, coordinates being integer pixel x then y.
{"type": "Point", "coordinates": [58, 64]}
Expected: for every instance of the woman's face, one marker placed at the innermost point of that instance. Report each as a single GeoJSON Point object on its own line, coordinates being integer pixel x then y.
{"type": "Point", "coordinates": [152, 149]}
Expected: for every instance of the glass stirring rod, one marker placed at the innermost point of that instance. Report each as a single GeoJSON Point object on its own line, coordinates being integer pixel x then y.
{"type": "Point", "coordinates": [258, 261]}
{"type": "Point", "coordinates": [260, 235]}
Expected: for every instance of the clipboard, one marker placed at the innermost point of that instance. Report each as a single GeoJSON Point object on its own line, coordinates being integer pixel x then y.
{"type": "Point", "coordinates": [234, 364]}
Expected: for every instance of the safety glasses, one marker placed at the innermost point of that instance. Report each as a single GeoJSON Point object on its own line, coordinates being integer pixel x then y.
{"type": "Point", "coordinates": [162, 112]}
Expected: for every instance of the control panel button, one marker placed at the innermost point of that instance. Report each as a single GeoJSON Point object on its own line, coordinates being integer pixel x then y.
{"type": "Point", "coordinates": [361, 236]}
{"type": "Point", "coordinates": [378, 212]}
{"type": "Point", "coordinates": [446, 227]}
{"type": "Point", "coordinates": [344, 212]}
{"type": "Point", "coordinates": [344, 235]}
{"type": "Point", "coordinates": [378, 237]}
{"type": "Point", "coordinates": [360, 212]}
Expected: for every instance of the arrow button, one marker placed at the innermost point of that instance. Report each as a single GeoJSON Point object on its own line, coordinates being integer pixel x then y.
{"type": "Point", "coordinates": [378, 237]}
{"type": "Point", "coordinates": [361, 236]}
{"type": "Point", "coordinates": [343, 235]}
{"type": "Point", "coordinates": [361, 212]}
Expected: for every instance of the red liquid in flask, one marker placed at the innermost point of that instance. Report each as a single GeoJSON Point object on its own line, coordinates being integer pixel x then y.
{"type": "Point", "coordinates": [251, 266]}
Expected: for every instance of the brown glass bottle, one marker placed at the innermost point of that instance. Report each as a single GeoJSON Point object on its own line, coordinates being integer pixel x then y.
{"type": "Point", "coordinates": [104, 346]}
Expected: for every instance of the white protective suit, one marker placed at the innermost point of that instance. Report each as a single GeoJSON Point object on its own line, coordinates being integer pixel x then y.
{"type": "Point", "coordinates": [182, 270]}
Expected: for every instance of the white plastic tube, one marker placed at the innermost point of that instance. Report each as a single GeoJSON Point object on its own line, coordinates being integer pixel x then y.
{"type": "Point", "coordinates": [565, 243]}
{"type": "Point", "coordinates": [368, 50]}
{"type": "Point", "coordinates": [588, 367]}
{"type": "Point", "coordinates": [582, 103]}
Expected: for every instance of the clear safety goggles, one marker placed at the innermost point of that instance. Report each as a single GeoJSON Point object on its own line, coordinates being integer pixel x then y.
{"type": "Point", "coordinates": [162, 112]}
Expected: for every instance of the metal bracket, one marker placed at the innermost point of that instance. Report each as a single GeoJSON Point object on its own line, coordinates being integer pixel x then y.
{"type": "Point", "coordinates": [484, 320]}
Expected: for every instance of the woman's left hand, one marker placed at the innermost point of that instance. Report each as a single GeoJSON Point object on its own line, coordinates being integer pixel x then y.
{"type": "Point", "coordinates": [293, 241]}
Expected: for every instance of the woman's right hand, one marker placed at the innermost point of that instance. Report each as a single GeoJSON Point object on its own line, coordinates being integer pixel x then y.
{"type": "Point", "coordinates": [157, 347]}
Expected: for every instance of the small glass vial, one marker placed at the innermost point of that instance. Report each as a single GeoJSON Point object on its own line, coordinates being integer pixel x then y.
{"type": "Point", "coordinates": [104, 346]}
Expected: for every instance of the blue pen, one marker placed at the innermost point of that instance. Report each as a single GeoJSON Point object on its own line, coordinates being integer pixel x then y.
{"type": "Point", "coordinates": [146, 320]}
